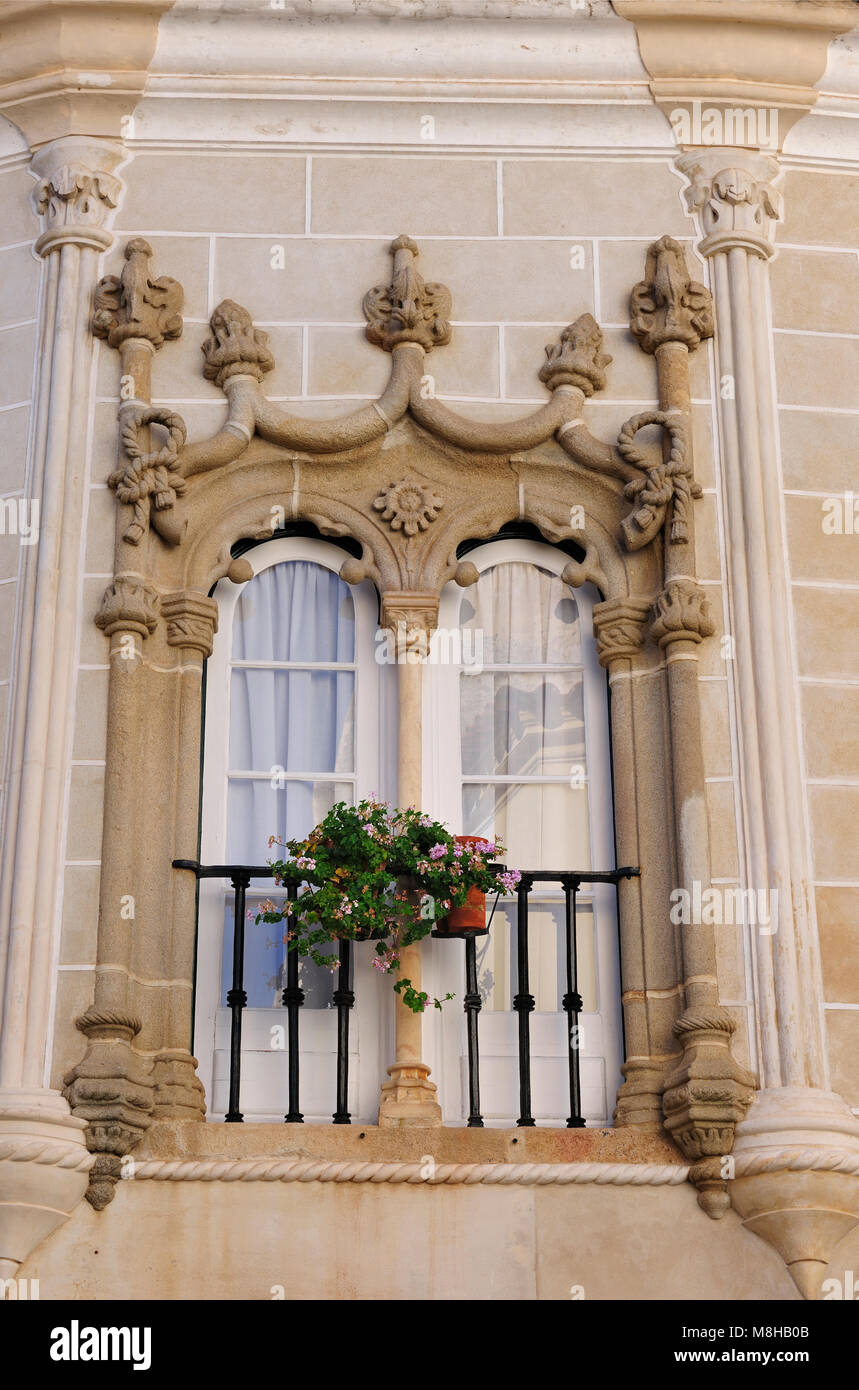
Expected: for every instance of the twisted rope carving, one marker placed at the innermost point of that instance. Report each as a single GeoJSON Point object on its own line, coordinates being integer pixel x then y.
{"type": "Point", "coordinates": [797, 1161]}
{"type": "Point", "coordinates": [148, 475]}
{"type": "Point", "coordinates": [449, 1174]}
{"type": "Point", "coordinates": [667, 480]}
{"type": "Point", "coordinates": [42, 1151]}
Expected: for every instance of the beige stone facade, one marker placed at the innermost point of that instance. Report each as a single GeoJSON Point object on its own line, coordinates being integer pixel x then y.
{"type": "Point", "coordinates": [249, 255]}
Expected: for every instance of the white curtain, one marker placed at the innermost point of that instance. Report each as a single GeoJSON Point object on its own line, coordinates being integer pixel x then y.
{"type": "Point", "coordinates": [525, 720]}
{"type": "Point", "coordinates": [290, 722]}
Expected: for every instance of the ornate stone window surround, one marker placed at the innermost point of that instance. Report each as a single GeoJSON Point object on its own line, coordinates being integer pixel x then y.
{"type": "Point", "coordinates": [410, 482]}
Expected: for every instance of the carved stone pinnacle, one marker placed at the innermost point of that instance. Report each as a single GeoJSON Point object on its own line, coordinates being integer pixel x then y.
{"type": "Point", "coordinates": [236, 347]}
{"type": "Point", "coordinates": [577, 359]}
{"type": "Point", "coordinates": [668, 306]}
{"type": "Point", "coordinates": [408, 310]}
{"type": "Point", "coordinates": [132, 305]}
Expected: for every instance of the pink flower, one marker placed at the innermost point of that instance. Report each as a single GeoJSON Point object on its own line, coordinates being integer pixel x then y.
{"type": "Point", "coordinates": [510, 879]}
{"type": "Point", "coordinates": [438, 851]}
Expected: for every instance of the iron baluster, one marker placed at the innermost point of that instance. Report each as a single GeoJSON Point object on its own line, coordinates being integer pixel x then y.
{"type": "Point", "coordinates": [293, 1001]}
{"type": "Point", "coordinates": [236, 996]}
{"type": "Point", "coordinates": [344, 998]}
{"type": "Point", "coordinates": [523, 1002]}
{"type": "Point", "coordinates": [472, 1008]}
{"type": "Point", "coordinates": [572, 1003]}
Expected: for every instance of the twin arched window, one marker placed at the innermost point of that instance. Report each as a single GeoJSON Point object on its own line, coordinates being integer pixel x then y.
{"type": "Point", "coordinates": [301, 712]}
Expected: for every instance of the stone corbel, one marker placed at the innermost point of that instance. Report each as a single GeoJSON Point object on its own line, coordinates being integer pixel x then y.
{"type": "Point", "coordinates": [113, 1090]}
{"type": "Point", "coordinates": [705, 1098]}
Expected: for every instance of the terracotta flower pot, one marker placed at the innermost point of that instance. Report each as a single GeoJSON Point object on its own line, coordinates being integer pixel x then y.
{"type": "Point", "coordinates": [470, 919]}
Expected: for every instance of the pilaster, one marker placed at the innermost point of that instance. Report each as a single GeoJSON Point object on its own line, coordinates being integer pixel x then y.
{"type": "Point", "coordinates": [76, 193]}
{"type": "Point", "coordinates": [737, 203]}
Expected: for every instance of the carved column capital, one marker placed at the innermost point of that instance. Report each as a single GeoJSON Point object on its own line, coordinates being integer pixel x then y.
{"type": "Point", "coordinates": [619, 627]}
{"type": "Point", "coordinates": [192, 620]}
{"type": "Point", "coordinates": [409, 310]}
{"type": "Point", "coordinates": [668, 306]}
{"type": "Point", "coordinates": [411, 616]}
{"type": "Point", "coordinates": [133, 305]}
{"type": "Point", "coordinates": [681, 613]}
{"type": "Point", "coordinates": [130, 605]}
{"type": "Point", "coordinates": [76, 192]}
{"type": "Point", "coordinates": [736, 204]}
{"type": "Point", "coordinates": [577, 359]}
{"type": "Point", "coordinates": [236, 347]}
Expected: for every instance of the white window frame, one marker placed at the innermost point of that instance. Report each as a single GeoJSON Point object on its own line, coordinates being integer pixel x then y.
{"type": "Point", "coordinates": [374, 771]}
{"type": "Point", "coordinates": [442, 786]}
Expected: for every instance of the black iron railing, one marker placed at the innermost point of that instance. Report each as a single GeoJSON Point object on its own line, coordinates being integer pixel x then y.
{"type": "Point", "coordinates": [292, 998]}
{"type": "Point", "coordinates": [523, 1000]}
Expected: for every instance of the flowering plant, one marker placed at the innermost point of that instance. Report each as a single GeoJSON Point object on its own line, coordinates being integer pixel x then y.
{"type": "Point", "coordinates": [370, 872]}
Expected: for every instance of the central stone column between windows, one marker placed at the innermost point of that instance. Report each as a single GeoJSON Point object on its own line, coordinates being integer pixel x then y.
{"type": "Point", "coordinates": [409, 1098]}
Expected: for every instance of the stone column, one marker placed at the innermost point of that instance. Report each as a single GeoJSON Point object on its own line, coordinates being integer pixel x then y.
{"type": "Point", "coordinates": [115, 1087]}
{"type": "Point", "coordinates": [797, 1153]}
{"type": "Point", "coordinates": [649, 977]}
{"type": "Point", "coordinates": [76, 192]}
{"type": "Point", "coordinates": [409, 1097]}
{"type": "Point", "coordinates": [707, 1092]}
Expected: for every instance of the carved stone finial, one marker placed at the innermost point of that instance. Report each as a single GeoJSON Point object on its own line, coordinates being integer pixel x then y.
{"type": "Point", "coordinates": [132, 305]}
{"type": "Point", "coordinates": [408, 310]}
{"type": "Point", "coordinates": [236, 347]}
{"type": "Point", "coordinates": [619, 625]}
{"type": "Point", "coordinates": [577, 359]}
{"type": "Point", "coordinates": [128, 605]}
{"type": "Point", "coordinates": [736, 207]}
{"type": "Point", "coordinates": [681, 613]}
{"type": "Point", "coordinates": [668, 306]}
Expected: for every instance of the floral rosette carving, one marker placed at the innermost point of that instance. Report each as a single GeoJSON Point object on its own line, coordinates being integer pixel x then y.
{"type": "Point", "coordinates": [407, 506]}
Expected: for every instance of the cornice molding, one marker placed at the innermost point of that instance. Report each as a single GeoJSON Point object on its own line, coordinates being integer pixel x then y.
{"type": "Point", "coordinates": [75, 67]}
{"type": "Point", "coordinates": [726, 53]}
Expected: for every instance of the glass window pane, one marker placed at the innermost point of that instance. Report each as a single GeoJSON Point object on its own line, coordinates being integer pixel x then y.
{"type": "Point", "coordinates": [526, 616]}
{"type": "Point", "coordinates": [547, 960]}
{"type": "Point", "coordinates": [256, 810]}
{"type": "Point", "coordinates": [543, 826]}
{"type": "Point", "coordinates": [265, 961]}
{"type": "Point", "coordinates": [302, 721]}
{"type": "Point", "coordinates": [523, 724]}
{"type": "Point", "coordinates": [295, 611]}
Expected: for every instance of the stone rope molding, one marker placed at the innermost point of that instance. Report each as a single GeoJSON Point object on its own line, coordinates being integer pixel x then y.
{"type": "Point", "coordinates": [451, 1174]}
{"type": "Point", "coordinates": [42, 1151]}
{"type": "Point", "coordinates": [797, 1161]}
